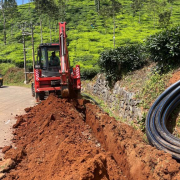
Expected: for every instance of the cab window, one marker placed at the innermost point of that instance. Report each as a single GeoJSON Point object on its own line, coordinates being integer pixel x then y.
{"type": "Point", "coordinates": [43, 58]}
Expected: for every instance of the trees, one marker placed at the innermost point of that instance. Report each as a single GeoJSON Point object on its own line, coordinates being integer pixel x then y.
{"type": "Point", "coordinates": [109, 8]}
{"type": "Point", "coordinates": [164, 18]}
{"type": "Point", "coordinates": [47, 8]}
{"type": "Point", "coordinates": [137, 6]}
{"type": "Point", "coordinates": [61, 10]}
{"type": "Point", "coordinates": [8, 9]}
{"type": "Point", "coordinates": [165, 14]}
{"type": "Point", "coordinates": [97, 5]}
{"type": "Point", "coordinates": [160, 11]}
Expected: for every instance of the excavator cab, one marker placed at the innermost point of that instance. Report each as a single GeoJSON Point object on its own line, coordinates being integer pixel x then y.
{"type": "Point", "coordinates": [48, 59]}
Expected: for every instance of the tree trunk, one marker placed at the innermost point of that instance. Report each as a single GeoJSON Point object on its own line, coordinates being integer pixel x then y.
{"type": "Point", "coordinates": [114, 30]}
{"type": "Point", "coordinates": [11, 29]}
{"type": "Point", "coordinates": [41, 29]}
{"type": "Point", "coordinates": [154, 19]}
{"type": "Point", "coordinates": [114, 26]}
{"type": "Point", "coordinates": [139, 16]}
{"type": "Point", "coordinates": [98, 5]}
{"type": "Point", "coordinates": [50, 30]}
{"type": "Point", "coordinates": [4, 28]}
{"type": "Point", "coordinates": [55, 28]}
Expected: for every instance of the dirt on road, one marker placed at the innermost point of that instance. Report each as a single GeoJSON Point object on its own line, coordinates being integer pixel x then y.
{"type": "Point", "coordinates": [75, 140]}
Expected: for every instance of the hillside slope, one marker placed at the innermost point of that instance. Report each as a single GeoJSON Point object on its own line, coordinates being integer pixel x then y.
{"type": "Point", "coordinates": [89, 32]}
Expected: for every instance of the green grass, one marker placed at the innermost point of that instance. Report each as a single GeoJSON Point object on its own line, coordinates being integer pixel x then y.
{"type": "Point", "coordinates": [17, 84]}
{"type": "Point", "coordinates": [152, 88]}
{"type": "Point", "coordinates": [4, 67]}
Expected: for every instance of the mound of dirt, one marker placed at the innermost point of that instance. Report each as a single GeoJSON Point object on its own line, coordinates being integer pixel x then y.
{"type": "Point", "coordinates": [75, 140]}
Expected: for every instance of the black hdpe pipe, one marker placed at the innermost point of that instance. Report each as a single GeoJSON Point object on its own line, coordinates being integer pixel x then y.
{"type": "Point", "coordinates": [157, 118]}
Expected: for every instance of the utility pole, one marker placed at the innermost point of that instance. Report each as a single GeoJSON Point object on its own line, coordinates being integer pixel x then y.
{"type": "Point", "coordinates": [26, 33]}
{"type": "Point", "coordinates": [24, 49]}
{"type": "Point", "coordinates": [114, 26]}
{"type": "Point", "coordinates": [32, 35]}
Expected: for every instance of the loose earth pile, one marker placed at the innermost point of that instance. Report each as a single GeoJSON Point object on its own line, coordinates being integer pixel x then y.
{"type": "Point", "coordinates": [75, 140]}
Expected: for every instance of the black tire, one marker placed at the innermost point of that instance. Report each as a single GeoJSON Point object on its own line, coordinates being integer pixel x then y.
{"type": "Point", "coordinates": [1, 83]}
{"type": "Point", "coordinates": [39, 96]}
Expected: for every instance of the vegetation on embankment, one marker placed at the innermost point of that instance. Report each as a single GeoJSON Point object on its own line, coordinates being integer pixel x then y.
{"type": "Point", "coordinates": [162, 48]}
{"type": "Point", "coordinates": [129, 65]}
{"type": "Point", "coordinates": [13, 75]}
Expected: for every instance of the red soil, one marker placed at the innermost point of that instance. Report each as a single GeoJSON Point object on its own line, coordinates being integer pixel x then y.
{"type": "Point", "coordinates": [74, 140]}
{"type": "Point", "coordinates": [175, 77]}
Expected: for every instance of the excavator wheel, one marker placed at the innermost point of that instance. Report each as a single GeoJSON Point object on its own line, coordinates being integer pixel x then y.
{"type": "Point", "coordinates": [39, 96]}
{"type": "Point", "coordinates": [1, 83]}
{"type": "Point", "coordinates": [32, 90]}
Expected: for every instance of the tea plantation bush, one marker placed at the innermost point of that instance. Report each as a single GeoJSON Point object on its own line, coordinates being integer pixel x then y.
{"type": "Point", "coordinates": [119, 61]}
{"type": "Point", "coordinates": [89, 73]}
{"type": "Point", "coordinates": [164, 47]}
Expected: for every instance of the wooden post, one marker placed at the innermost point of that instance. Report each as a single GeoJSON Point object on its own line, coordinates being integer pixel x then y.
{"type": "Point", "coordinates": [32, 35]}
{"type": "Point", "coordinates": [50, 31]}
{"type": "Point", "coordinates": [41, 29]}
{"type": "Point", "coordinates": [24, 48]}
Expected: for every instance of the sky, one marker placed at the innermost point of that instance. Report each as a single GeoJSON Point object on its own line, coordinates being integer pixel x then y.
{"type": "Point", "coordinates": [19, 2]}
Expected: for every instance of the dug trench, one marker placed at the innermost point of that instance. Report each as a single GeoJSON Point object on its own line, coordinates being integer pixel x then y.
{"type": "Point", "coordinates": [75, 140]}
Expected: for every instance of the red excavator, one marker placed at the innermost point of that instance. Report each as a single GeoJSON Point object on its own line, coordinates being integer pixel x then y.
{"type": "Point", "coordinates": [53, 73]}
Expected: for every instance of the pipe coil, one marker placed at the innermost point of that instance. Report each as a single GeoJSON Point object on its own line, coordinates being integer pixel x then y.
{"type": "Point", "coordinates": [157, 118]}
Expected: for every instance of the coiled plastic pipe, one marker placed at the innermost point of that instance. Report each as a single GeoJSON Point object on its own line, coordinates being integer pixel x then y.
{"type": "Point", "coordinates": [157, 118]}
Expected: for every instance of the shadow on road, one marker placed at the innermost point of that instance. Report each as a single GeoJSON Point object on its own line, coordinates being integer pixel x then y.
{"type": "Point", "coordinates": [4, 87]}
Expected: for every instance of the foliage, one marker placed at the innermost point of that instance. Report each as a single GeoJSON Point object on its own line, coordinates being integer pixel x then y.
{"type": "Point", "coordinates": [46, 7]}
{"type": "Point", "coordinates": [91, 26]}
{"type": "Point", "coordinates": [137, 5]}
{"type": "Point", "coordinates": [164, 18]}
{"type": "Point", "coordinates": [164, 47]}
{"type": "Point", "coordinates": [14, 77]}
{"type": "Point", "coordinates": [153, 87]}
{"type": "Point", "coordinates": [109, 7]}
{"type": "Point", "coordinates": [89, 73]}
{"type": "Point", "coordinates": [9, 7]}
{"type": "Point", "coordinates": [141, 122]}
{"type": "Point", "coordinates": [119, 61]}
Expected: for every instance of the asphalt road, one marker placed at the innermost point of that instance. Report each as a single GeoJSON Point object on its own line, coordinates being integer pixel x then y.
{"type": "Point", "coordinates": [13, 101]}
